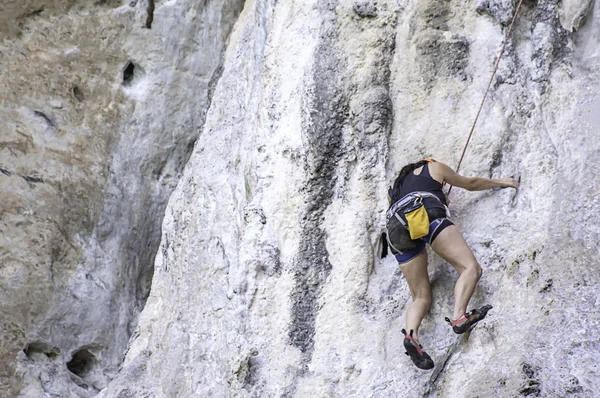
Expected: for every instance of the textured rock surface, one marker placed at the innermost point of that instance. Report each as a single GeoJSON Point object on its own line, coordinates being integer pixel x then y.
{"type": "Point", "coordinates": [268, 280]}
{"type": "Point", "coordinates": [101, 105]}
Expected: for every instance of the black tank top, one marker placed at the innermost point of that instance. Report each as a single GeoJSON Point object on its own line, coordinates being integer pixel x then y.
{"type": "Point", "coordinates": [422, 182]}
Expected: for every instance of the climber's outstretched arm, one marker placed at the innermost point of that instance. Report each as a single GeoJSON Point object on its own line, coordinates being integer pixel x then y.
{"type": "Point", "coordinates": [440, 171]}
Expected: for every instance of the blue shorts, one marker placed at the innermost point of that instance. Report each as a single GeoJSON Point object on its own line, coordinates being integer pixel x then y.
{"type": "Point", "coordinates": [435, 227]}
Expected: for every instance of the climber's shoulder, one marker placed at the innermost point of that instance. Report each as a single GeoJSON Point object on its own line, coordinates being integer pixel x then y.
{"type": "Point", "coordinates": [439, 171]}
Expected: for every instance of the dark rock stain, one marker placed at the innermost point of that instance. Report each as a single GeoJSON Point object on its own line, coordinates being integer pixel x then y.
{"type": "Point", "coordinates": [547, 286]}
{"type": "Point", "coordinates": [108, 3]}
{"type": "Point", "coordinates": [548, 12]}
{"type": "Point", "coordinates": [506, 145]}
{"type": "Point", "coordinates": [551, 42]}
{"type": "Point", "coordinates": [443, 58]}
{"type": "Point", "coordinates": [212, 85]}
{"type": "Point", "coordinates": [250, 373]}
{"type": "Point", "coordinates": [496, 160]}
{"type": "Point", "coordinates": [365, 8]}
{"type": "Point", "coordinates": [150, 16]}
{"type": "Point", "coordinates": [33, 13]}
{"type": "Point", "coordinates": [499, 11]}
{"type": "Point", "coordinates": [532, 386]}
{"type": "Point", "coordinates": [33, 179]}
{"type": "Point", "coordinates": [437, 15]}
{"type": "Point", "coordinates": [573, 386]}
{"type": "Point", "coordinates": [325, 113]}
{"type": "Point", "coordinates": [46, 118]}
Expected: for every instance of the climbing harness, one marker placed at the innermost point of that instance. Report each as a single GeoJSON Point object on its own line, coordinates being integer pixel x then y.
{"type": "Point", "coordinates": [411, 213]}
{"type": "Point", "coordinates": [488, 88]}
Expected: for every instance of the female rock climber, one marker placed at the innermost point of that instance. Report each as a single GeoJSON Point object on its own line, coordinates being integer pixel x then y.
{"type": "Point", "coordinates": [416, 191]}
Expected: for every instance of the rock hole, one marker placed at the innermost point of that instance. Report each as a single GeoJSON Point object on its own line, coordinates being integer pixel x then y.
{"type": "Point", "coordinates": [81, 363]}
{"type": "Point", "coordinates": [77, 93]}
{"type": "Point", "coordinates": [384, 245]}
{"type": "Point", "coordinates": [128, 73]}
{"type": "Point", "coordinates": [132, 73]}
{"type": "Point", "coordinates": [38, 347]}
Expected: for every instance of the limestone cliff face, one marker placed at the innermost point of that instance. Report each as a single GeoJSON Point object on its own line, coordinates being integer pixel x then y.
{"type": "Point", "coordinates": [269, 278]}
{"type": "Point", "coordinates": [102, 102]}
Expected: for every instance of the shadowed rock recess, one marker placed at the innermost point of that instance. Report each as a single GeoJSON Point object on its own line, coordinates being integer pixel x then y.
{"type": "Point", "coordinates": [101, 106]}
{"type": "Point", "coordinates": [272, 129]}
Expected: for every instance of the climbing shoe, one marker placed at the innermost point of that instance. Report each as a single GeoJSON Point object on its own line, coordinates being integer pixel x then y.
{"type": "Point", "coordinates": [467, 320]}
{"type": "Point", "coordinates": [415, 351]}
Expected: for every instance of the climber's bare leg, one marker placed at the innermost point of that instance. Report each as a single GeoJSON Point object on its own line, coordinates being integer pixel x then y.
{"type": "Point", "coordinates": [415, 272]}
{"type": "Point", "coordinates": [451, 246]}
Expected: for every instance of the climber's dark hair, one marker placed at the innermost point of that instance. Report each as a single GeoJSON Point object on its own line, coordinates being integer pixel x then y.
{"type": "Point", "coordinates": [394, 191]}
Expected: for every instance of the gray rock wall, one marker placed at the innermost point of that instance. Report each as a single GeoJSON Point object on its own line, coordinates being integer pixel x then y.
{"type": "Point", "coordinates": [101, 105]}
{"type": "Point", "coordinates": [269, 280]}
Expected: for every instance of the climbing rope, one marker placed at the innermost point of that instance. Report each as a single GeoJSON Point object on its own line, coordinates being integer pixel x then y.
{"type": "Point", "coordinates": [488, 88]}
